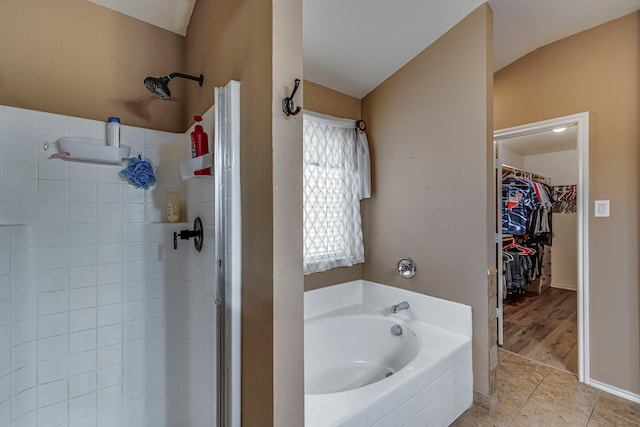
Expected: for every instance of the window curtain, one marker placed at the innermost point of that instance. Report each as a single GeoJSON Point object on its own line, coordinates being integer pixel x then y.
{"type": "Point", "coordinates": [336, 177]}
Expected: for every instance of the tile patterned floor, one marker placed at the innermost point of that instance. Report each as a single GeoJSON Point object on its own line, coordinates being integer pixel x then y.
{"type": "Point", "coordinates": [531, 394]}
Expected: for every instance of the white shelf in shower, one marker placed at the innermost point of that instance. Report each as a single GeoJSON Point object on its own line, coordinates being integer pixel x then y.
{"type": "Point", "coordinates": [188, 167]}
{"type": "Point", "coordinates": [91, 150]}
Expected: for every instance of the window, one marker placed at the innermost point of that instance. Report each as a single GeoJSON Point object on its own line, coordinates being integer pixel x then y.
{"type": "Point", "coordinates": [332, 225]}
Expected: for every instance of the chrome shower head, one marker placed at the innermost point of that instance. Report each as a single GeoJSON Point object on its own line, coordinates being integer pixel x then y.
{"type": "Point", "coordinates": [159, 86]}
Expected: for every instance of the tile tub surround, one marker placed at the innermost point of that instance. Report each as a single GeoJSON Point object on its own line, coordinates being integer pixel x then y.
{"type": "Point", "coordinates": [433, 393]}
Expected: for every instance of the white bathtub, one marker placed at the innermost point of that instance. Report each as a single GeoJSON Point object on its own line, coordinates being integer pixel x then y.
{"type": "Point", "coordinates": [359, 372]}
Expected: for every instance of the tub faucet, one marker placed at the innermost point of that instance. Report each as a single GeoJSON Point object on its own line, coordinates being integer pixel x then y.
{"type": "Point", "coordinates": [400, 306]}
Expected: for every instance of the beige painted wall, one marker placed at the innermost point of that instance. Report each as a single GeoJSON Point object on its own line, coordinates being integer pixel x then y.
{"type": "Point", "coordinates": [562, 169]}
{"type": "Point", "coordinates": [430, 131]}
{"type": "Point", "coordinates": [596, 71]}
{"type": "Point", "coordinates": [76, 58]}
{"type": "Point", "coordinates": [288, 282]}
{"type": "Point", "coordinates": [231, 40]}
{"type": "Point", "coordinates": [323, 100]}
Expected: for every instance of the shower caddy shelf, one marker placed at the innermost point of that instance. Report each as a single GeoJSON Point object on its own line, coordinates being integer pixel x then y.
{"type": "Point", "coordinates": [91, 150]}
{"type": "Point", "coordinates": [188, 167]}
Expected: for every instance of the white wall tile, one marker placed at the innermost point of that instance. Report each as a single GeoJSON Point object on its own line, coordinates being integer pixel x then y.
{"type": "Point", "coordinates": [82, 384]}
{"type": "Point", "coordinates": [82, 341]}
{"type": "Point", "coordinates": [52, 168]}
{"type": "Point", "coordinates": [80, 320]}
{"type": "Point", "coordinates": [83, 234]}
{"type": "Point", "coordinates": [109, 335]}
{"type": "Point", "coordinates": [23, 403]}
{"type": "Point", "coordinates": [23, 379]}
{"type": "Point", "coordinates": [54, 324]}
{"type": "Point", "coordinates": [20, 212]}
{"type": "Point", "coordinates": [53, 124]}
{"type": "Point", "coordinates": [83, 255]}
{"type": "Point", "coordinates": [110, 233]}
{"type": "Point", "coordinates": [82, 172]}
{"type": "Point", "coordinates": [5, 413]}
{"type": "Point", "coordinates": [52, 370]}
{"type": "Point", "coordinates": [109, 294]}
{"type": "Point", "coordinates": [109, 193]}
{"type": "Point", "coordinates": [82, 298]}
{"type": "Point", "coordinates": [56, 279]}
{"type": "Point", "coordinates": [82, 213]}
{"type": "Point", "coordinates": [19, 189]}
{"type": "Point", "coordinates": [5, 387]}
{"type": "Point", "coordinates": [82, 277]}
{"type": "Point", "coordinates": [53, 348]}
{"type": "Point", "coordinates": [18, 120]}
{"type": "Point", "coordinates": [82, 362]}
{"type": "Point", "coordinates": [53, 392]}
{"type": "Point", "coordinates": [82, 406]}
{"type": "Point", "coordinates": [86, 421]}
{"type": "Point", "coordinates": [53, 213]}
{"type": "Point", "coordinates": [20, 166]}
{"type": "Point", "coordinates": [108, 356]}
{"type": "Point", "coordinates": [53, 191]}
{"type": "Point", "coordinates": [109, 274]}
{"type": "Point", "coordinates": [82, 191]}
{"type": "Point", "coordinates": [24, 355]}
{"type": "Point", "coordinates": [53, 302]}
{"type": "Point", "coordinates": [53, 235]}
{"type": "Point", "coordinates": [110, 315]}
{"type": "Point", "coordinates": [24, 331]}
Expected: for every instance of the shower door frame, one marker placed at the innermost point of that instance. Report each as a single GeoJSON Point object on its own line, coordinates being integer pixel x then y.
{"type": "Point", "coordinates": [228, 253]}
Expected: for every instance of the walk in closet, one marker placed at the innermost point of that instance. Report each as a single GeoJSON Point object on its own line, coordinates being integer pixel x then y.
{"type": "Point", "coordinates": [538, 191]}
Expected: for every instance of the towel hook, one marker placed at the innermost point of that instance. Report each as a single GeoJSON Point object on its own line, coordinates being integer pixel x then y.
{"type": "Point", "coordinates": [287, 103]}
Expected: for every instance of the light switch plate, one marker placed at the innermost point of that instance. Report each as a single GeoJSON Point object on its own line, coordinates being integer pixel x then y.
{"type": "Point", "coordinates": [602, 208]}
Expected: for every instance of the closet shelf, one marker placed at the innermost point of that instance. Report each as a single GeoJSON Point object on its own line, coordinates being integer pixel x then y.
{"type": "Point", "coordinates": [188, 167]}
{"type": "Point", "coordinates": [91, 150]}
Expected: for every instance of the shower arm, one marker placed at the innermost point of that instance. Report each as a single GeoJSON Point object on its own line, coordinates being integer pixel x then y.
{"type": "Point", "coordinates": [199, 79]}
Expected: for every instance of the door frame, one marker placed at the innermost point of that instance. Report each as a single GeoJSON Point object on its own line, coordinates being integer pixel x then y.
{"type": "Point", "coordinates": [581, 121]}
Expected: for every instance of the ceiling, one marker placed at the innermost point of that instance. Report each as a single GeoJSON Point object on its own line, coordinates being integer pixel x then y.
{"type": "Point", "coordinates": [354, 45]}
{"type": "Point", "coordinates": [542, 142]}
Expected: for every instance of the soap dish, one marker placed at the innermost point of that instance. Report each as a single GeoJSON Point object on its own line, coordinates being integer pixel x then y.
{"type": "Point", "coordinates": [91, 150]}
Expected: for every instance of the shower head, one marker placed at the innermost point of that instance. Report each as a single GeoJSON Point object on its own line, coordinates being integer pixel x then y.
{"type": "Point", "coordinates": [159, 86]}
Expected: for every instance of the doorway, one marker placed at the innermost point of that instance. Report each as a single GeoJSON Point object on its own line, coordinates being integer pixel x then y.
{"type": "Point", "coordinates": [579, 124]}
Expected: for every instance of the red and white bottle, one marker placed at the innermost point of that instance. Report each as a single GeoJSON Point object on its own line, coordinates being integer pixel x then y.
{"type": "Point", "coordinates": [199, 145]}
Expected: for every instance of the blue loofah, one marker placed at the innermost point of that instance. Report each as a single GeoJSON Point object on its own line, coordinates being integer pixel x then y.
{"type": "Point", "coordinates": [139, 173]}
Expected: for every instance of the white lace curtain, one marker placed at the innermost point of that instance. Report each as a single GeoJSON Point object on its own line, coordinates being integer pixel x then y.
{"type": "Point", "coordinates": [336, 176]}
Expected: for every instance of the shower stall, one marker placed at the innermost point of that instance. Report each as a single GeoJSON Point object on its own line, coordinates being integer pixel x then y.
{"type": "Point", "coordinates": [102, 321]}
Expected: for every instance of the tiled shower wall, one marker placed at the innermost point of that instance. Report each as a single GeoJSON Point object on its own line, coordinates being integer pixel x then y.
{"type": "Point", "coordinates": [73, 265]}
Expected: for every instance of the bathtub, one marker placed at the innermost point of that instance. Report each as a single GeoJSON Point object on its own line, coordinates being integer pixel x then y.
{"type": "Point", "coordinates": [367, 366]}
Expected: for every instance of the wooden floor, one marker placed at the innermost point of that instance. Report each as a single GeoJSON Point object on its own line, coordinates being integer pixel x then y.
{"type": "Point", "coordinates": [543, 327]}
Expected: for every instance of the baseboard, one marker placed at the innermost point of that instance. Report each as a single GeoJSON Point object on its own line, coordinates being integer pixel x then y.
{"type": "Point", "coordinates": [615, 391]}
{"type": "Point", "coordinates": [563, 286]}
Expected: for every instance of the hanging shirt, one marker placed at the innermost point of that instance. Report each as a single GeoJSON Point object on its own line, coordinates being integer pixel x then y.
{"type": "Point", "coordinates": [519, 200]}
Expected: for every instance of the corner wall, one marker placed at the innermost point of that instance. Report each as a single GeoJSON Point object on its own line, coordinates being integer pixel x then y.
{"type": "Point", "coordinates": [595, 71]}
{"type": "Point", "coordinates": [430, 134]}
{"type": "Point", "coordinates": [76, 58]}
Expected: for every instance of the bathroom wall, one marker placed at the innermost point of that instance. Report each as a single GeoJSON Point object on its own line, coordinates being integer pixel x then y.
{"type": "Point", "coordinates": [562, 169]}
{"type": "Point", "coordinates": [232, 40]}
{"type": "Point", "coordinates": [76, 58]}
{"type": "Point", "coordinates": [595, 71]}
{"type": "Point", "coordinates": [430, 132]}
{"type": "Point", "coordinates": [72, 276]}
{"type": "Point", "coordinates": [327, 101]}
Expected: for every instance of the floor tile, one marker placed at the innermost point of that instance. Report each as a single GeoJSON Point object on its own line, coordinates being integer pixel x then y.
{"type": "Point", "coordinates": [611, 404]}
{"type": "Point", "coordinates": [601, 418]}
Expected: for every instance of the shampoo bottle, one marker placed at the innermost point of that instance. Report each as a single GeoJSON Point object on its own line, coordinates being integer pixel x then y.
{"type": "Point", "coordinates": [199, 145]}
